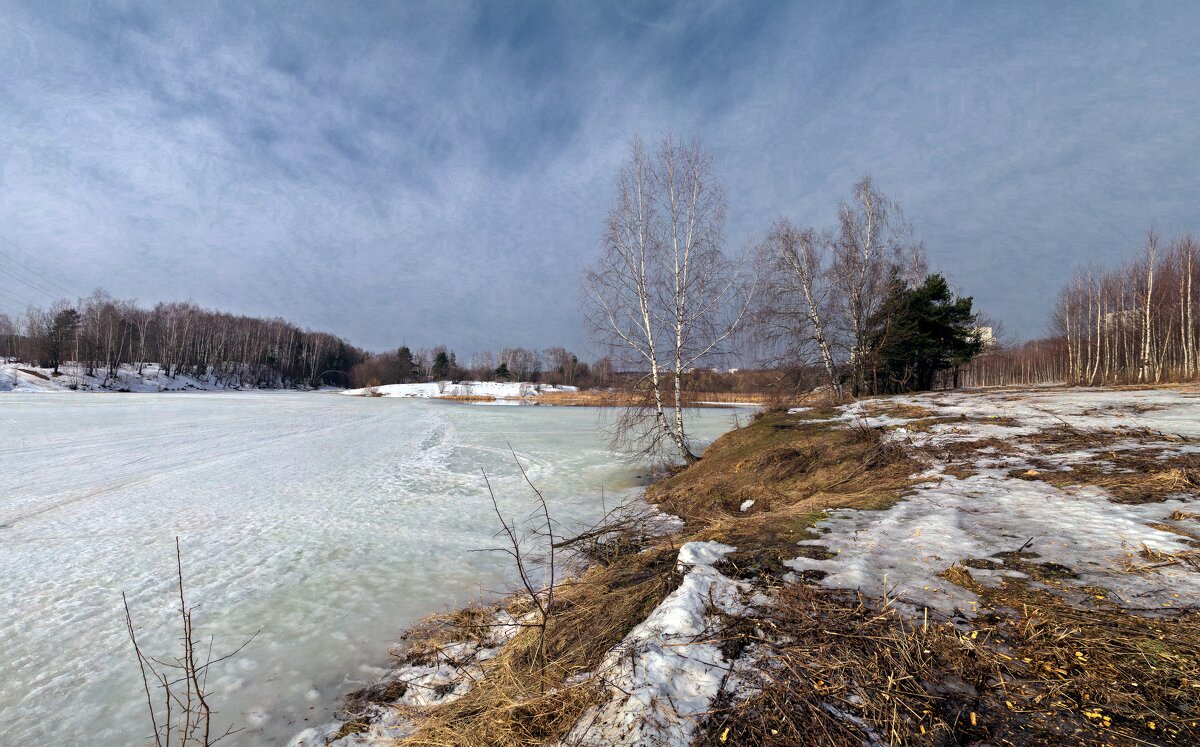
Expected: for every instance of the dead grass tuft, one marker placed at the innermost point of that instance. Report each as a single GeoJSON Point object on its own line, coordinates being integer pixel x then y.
{"type": "Point", "coordinates": [785, 461]}
{"type": "Point", "coordinates": [467, 397]}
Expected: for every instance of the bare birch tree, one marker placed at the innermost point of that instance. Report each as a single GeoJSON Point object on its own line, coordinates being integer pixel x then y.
{"type": "Point", "coordinates": [663, 296]}
{"type": "Point", "coordinates": [794, 308]}
{"type": "Point", "coordinates": [871, 246]}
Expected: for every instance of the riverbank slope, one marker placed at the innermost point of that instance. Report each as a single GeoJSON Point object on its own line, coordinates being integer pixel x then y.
{"type": "Point", "coordinates": [1007, 566]}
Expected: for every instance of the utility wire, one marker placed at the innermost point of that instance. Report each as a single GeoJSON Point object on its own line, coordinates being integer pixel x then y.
{"type": "Point", "coordinates": [29, 269]}
{"type": "Point", "coordinates": [14, 297]}
{"type": "Point", "coordinates": [30, 284]}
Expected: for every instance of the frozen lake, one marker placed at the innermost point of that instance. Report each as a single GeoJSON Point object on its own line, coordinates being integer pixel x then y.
{"type": "Point", "coordinates": [328, 522]}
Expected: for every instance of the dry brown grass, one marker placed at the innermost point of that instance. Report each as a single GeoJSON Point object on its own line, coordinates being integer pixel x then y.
{"type": "Point", "coordinates": [1033, 670]}
{"type": "Point", "coordinates": [525, 698]}
{"type": "Point", "coordinates": [1128, 475]}
{"type": "Point", "coordinates": [467, 397]}
{"type": "Point", "coordinates": [626, 398]}
{"type": "Point", "coordinates": [782, 461]}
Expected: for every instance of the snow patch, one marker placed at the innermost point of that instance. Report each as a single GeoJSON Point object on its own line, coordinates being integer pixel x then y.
{"type": "Point", "coordinates": [663, 676]}
{"type": "Point", "coordinates": [149, 377]}
{"type": "Point", "coordinates": [450, 675]}
{"type": "Point", "coordinates": [899, 552]}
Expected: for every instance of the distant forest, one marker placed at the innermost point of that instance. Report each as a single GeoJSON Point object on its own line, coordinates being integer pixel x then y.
{"type": "Point", "coordinates": [102, 335]}
{"type": "Point", "coordinates": [1135, 323]}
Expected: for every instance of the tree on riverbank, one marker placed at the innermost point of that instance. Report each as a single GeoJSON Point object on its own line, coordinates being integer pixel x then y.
{"type": "Point", "coordinates": [823, 290]}
{"type": "Point", "coordinates": [663, 297]}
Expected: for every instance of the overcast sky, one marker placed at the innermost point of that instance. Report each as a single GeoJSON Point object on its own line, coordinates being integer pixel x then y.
{"type": "Point", "coordinates": [438, 172]}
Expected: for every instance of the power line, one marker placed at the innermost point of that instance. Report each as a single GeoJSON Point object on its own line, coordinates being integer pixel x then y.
{"type": "Point", "coordinates": [14, 297]}
{"type": "Point", "coordinates": [29, 284]}
{"type": "Point", "coordinates": [29, 269]}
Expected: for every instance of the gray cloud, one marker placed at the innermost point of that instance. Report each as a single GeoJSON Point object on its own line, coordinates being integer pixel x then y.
{"type": "Point", "coordinates": [438, 172]}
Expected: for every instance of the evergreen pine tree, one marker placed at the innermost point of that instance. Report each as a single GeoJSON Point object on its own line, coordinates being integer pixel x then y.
{"type": "Point", "coordinates": [918, 333]}
{"type": "Point", "coordinates": [441, 366]}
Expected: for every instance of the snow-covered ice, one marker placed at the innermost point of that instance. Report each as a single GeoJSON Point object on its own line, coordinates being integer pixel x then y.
{"type": "Point", "coordinates": [329, 522]}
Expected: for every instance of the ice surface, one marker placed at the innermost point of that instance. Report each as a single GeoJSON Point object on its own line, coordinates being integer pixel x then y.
{"type": "Point", "coordinates": [329, 522]}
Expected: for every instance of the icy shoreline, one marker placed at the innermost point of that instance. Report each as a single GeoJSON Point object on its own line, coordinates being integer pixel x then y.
{"type": "Point", "coordinates": [454, 389]}
{"type": "Point", "coordinates": [973, 503]}
{"type": "Point", "coordinates": [146, 379]}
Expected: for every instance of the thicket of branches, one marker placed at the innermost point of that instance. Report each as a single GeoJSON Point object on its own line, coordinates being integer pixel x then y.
{"type": "Point", "coordinates": [1130, 324]}
{"type": "Point", "coordinates": [101, 334]}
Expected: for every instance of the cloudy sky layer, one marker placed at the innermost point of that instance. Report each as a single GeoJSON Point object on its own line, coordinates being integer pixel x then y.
{"type": "Point", "coordinates": [438, 172]}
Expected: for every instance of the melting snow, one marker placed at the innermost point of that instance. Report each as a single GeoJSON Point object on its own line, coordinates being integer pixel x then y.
{"type": "Point", "coordinates": [663, 676]}
{"type": "Point", "coordinates": [901, 551]}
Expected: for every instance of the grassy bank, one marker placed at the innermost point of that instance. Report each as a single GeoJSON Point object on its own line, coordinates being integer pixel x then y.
{"type": "Point", "coordinates": [1040, 660]}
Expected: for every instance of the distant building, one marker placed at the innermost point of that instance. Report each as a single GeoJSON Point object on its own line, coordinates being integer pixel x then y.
{"type": "Point", "coordinates": [986, 336]}
{"type": "Point", "coordinates": [1121, 318]}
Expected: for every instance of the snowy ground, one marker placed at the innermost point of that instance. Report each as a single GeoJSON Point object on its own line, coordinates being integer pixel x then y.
{"type": "Point", "coordinates": [662, 678]}
{"type": "Point", "coordinates": [900, 552]}
{"type": "Point", "coordinates": [331, 523]}
{"type": "Point", "coordinates": [19, 377]}
{"type": "Point", "coordinates": [496, 389]}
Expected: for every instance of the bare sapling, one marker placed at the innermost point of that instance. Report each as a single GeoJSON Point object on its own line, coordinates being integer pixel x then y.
{"type": "Point", "coordinates": [539, 594]}
{"type": "Point", "coordinates": [183, 715]}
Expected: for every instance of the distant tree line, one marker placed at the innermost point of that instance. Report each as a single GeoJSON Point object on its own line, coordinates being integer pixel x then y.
{"type": "Point", "coordinates": [100, 334]}
{"type": "Point", "coordinates": [555, 365]}
{"type": "Point", "coordinates": [1129, 324]}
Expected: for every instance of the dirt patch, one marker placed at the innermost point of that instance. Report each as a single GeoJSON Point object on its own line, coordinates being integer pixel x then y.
{"type": "Point", "coordinates": [1029, 670]}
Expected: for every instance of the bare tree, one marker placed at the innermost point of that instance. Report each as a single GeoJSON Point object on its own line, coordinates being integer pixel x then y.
{"type": "Point", "coordinates": [1144, 361]}
{"type": "Point", "coordinates": [871, 246]}
{"type": "Point", "coordinates": [663, 296]}
{"type": "Point", "coordinates": [794, 309]}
